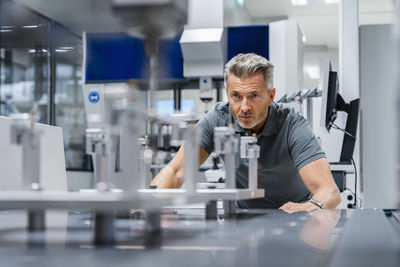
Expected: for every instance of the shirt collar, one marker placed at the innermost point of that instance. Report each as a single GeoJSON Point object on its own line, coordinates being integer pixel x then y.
{"type": "Point", "coordinates": [270, 126]}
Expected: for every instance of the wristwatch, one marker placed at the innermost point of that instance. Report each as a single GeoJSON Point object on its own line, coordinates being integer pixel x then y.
{"type": "Point", "coordinates": [318, 203]}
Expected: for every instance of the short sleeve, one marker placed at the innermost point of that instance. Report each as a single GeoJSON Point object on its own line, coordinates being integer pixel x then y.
{"type": "Point", "coordinates": [303, 145]}
{"type": "Point", "coordinates": [207, 125]}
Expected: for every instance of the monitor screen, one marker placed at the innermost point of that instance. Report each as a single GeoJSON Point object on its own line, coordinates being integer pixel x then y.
{"type": "Point", "coordinates": [329, 86]}
{"type": "Point", "coordinates": [166, 107]}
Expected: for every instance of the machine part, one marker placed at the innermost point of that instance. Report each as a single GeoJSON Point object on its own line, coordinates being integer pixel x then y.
{"type": "Point", "coordinates": [226, 143]}
{"type": "Point", "coordinates": [215, 176]}
{"type": "Point", "coordinates": [153, 221]}
{"type": "Point", "coordinates": [143, 142]}
{"type": "Point", "coordinates": [104, 228]}
{"type": "Point", "coordinates": [191, 157]}
{"type": "Point", "coordinates": [98, 144]}
{"type": "Point", "coordinates": [229, 207]}
{"type": "Point", "coordinates": [206, 93]}
{"type": "Point", "coordinates": [36, 220]}
{"type": "Point", "coordinates": [152, 18]}
{"type": "Point", "coordinates": [23, 132]}
{"type": "Point", "coordinates": [211, 210]}
{"type": "Point", "coordinates": [250, 150]}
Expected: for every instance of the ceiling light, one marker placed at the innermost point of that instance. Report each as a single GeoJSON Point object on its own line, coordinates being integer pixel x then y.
{"type": "Point", "coordinates": [61, 50]}
{"type": "Point", "coordinates": [304, 39]}
{"type": "Point", "coordinates": [66, 47]}
{"type": "Point", "coordinates": [299, 2]}
{"type": "Point", "coordinates": [240, 2]}
{"type": "Point", "coordinates": [5, 30]}
{"type": "Point", "coordinates": [30, 26]}
{"type": "Point", "coordinates": [329, 2]}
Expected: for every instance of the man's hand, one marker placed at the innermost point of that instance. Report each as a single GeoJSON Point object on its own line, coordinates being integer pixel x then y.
{"type": "Point", "coordinates": [291, 207]}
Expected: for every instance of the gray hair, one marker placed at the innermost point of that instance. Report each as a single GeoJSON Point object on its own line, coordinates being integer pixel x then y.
{"type": "Point", "coordinates": [245, 65]}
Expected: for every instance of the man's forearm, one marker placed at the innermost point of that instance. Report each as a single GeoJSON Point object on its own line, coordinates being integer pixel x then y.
{"type": "Point", "coordinates": [168, 178]}
{"type": "Point", "coordinates": [329, 195]}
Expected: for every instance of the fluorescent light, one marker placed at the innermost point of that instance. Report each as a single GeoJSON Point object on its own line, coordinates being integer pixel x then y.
{"type": "Point", "coordinates": [62, 50]}
{"type": "Point", "coordinates": [313, 72]}
{"type": "Point", "coordinates": [66, 47]}
{"type": "Point", "coordinates": [299, 2]}
{"type": "Point", "coordinates": [329, 2]}
{"type": "Point", "coordinates": [304, 39]}
{"type": "Point", "coordinates": [240, 2]}
{"type": "Point", "coordinates": [30, 26]}
{"type": "Point", "coordinates": [31, 51]}
{"type": "Point", "coordinates": [5, 30]}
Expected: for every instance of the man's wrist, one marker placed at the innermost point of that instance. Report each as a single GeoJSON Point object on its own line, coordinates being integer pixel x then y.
{"type": "Point", "coordinates": [317, 203]}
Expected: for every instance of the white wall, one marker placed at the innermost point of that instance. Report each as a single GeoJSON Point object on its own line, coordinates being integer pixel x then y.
{"type": "Point", "coordinates": [285, 51]}
{"type": "Point", "coordinates": [378, 116]}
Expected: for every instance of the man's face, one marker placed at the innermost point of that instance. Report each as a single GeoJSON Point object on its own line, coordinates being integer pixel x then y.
{"type": "Point", "coordinates": [249, 100]}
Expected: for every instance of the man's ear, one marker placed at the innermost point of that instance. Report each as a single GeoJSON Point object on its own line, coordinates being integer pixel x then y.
{"type": "Point", "coordinates": [271, 96]}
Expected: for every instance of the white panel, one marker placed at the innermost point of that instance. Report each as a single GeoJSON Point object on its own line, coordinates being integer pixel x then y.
{"type": "Point", "coordinates": [205, 13]}
{"type": "Point", "coordinates": [285, 52]}
{"type": "Point", "coordinates": [378, 116]}
{"type": "Point", "coordinates": [52, 162]}
{"type": "Point", "coordinates": [201, 35]}
{"type": "Point", "coordinates": [277, 55]}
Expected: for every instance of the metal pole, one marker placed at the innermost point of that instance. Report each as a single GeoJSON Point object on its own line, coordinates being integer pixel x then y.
{"type": "Point", "coordinates": [211, 210]}
{"type": "Point", "coordinates": [191, 158]}
{"type": "Point", "coordinates": [253, 179]}
{"type": "Point", "coordinates": [104, 229]}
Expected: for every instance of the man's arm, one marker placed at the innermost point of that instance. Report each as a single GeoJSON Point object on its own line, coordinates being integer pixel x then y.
{"type": "Point", "coordinates": [171, 176]}
{"type": "Point", "coordinates": [318, 179]}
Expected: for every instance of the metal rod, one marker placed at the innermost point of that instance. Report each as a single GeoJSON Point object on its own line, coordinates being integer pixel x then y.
{"type": "Point", "coordinates": [229, 207]}
{"type": "Point", "coordinates": [230, 170]}
{"type": "Point", "coordinates": [191, 157]}
{"type": "Point", "coordinates": [211, 210]}
{"type": "Point", "coordinates": [253, 179]}
{"type": "Point", "coordinates": [153, 221]}
{"type": "Point", "coordinates": [36, 220]}
{"type": "Point", "coordinates": [104, 229]}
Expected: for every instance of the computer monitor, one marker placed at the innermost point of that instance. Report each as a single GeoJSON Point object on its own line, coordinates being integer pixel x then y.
{"type": "Point", "coordinates": [329, 86]}
{"type": "Point", "coordinates": [332, 102]}
{"type": "Point", "coordinates": [166, 107]}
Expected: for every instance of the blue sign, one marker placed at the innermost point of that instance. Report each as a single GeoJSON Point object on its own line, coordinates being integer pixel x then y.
{"type": "Point", "coordinates": [94, 97]}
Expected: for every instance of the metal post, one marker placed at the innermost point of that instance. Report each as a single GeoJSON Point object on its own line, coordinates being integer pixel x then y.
{"type": "Point", "coordinates": [104, 229]}
{"type": "Point", "coordinates": [36, 220]}
{"type": "Point", "coordinates": [191, 160]}
{"type": "Point", "coordinates": [230, 170]}
{"type": "Point", "coordinates": [229, 207]}
{"type": "Point", "coordinates": [211, 210]}
{"type": "Point", "coordinates": [153, 221]}
{"type": "Point", "coordinates": [253, 179]}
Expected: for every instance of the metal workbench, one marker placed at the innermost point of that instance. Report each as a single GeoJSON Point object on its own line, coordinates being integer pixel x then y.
{"type": "Point", "coordinates": [250, 238]}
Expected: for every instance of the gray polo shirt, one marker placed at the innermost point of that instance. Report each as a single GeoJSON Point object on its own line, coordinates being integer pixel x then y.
{"type": "Point", "coordinates": [287, 144]}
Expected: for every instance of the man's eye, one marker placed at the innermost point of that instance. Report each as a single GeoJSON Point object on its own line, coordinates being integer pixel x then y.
{"type": "Point", "coordinates": [235, 95]}
{"type": "Point", "coordinates": [254, 95]}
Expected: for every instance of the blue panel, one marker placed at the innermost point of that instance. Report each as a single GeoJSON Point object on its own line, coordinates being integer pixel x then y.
{"type": "Point", "coordinates": [248, 39]}
{"type": "Point", "coordinates": [171, 59]}
{"type": "Point", "coordinates": [114, 57]}
{"type": "Point", "coordinates": [118, 57]}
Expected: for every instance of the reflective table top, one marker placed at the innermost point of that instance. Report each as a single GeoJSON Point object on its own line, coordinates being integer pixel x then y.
{"type": "Point", "coordinates": [250, 238]}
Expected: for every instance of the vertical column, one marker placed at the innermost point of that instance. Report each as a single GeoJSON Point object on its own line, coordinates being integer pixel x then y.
{"type": "Point", "coordinates": [349, 50]}
{"type": "Point", "coordinates": [349, 65]}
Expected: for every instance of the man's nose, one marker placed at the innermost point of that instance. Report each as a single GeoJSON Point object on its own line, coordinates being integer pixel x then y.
{"type": "Point", "coordinates": [244, 107]}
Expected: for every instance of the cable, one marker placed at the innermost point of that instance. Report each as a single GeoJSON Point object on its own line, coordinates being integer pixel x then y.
{"type": "Point", "coordinates": [343, 130]}
{"type": "Point", "coordinates": [355, 183]}
{"type": "Point", "coordinates": [359, 199]}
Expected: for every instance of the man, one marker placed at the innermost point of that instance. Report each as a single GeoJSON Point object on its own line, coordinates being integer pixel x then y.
{"type": "Point", "coordinates": [292, 168]}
